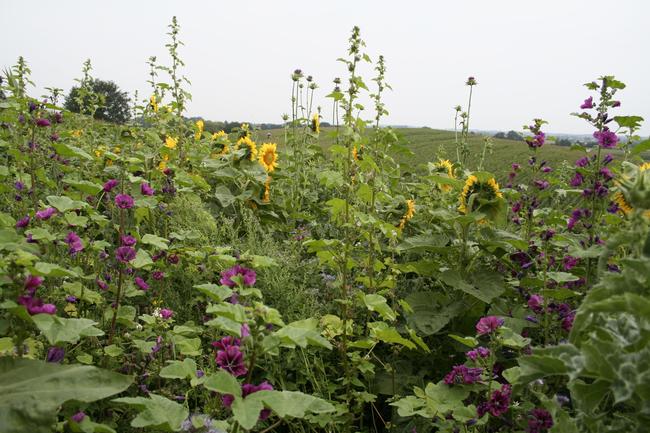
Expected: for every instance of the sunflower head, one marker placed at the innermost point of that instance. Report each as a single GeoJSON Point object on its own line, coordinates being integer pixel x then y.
{"type": "Point", "coordinates": [153, 104]}
{"type": "Point", "coordinates": [251, 147]}
{"type": "Point", "coordinates": [315, 123]}
{"type": "Point", "coordinates": [481, 194]}
{"type": "Point", "coordinates": [244, 130]}
{"type": "Point", "coordinates": [633, 189]}
{"type": "Point", "coordinates": [266, 198]}
{"type": "Point", "coordinates": [171, 142]}
{"type": "Point", "coordinates": [446, 168]}
{"type": "Point", "coordinates": [408, 215]}
{"type": "Point", "coordinates": [199, 129]}
{"type": "Point", "coordinates": [268, 156]}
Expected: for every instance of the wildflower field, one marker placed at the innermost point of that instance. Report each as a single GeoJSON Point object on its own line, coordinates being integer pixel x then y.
{"type": "Point", "coordinates": [157, 277]}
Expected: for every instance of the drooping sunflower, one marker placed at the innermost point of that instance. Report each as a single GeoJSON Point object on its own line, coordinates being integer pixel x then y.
{"type": "Point", "coordinates": [268, 156]}
{"type": "Point", "coordinates": [447, 167]}
{"type": "Point", "coordinates": [315, 123]}
{"type": "Point", "coordinates": [624, 206]}
{"type": "Point", "coordinates": [153, 103]}
{"type": "Point", "coordinates": [410, 211]}
{"type": "Point", "coordinates": [483, 190]}
{"type": "Point", "coordinates": [250, 144]}
{"type": "Point", "coordinates": [171, 142]}
{"type": "Point", "coordinates": [199, 129]}
{"type": "Point", "coordinates": [218, 135]}
{"type": "Point", "coordinates": [244, 130]}
{"type": "Point", "coordinates": [267, 190]}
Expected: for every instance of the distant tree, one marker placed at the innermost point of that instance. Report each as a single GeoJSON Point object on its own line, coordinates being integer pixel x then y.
{"type": "Point", "coordinates": [501, 135]}
{"type": "Point", "coordinates": [514, 135]}
{"type": "Point", "coordinates": [114, 105]}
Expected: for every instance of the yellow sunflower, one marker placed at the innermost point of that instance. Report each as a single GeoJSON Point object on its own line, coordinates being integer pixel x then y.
{"type": "Point", "coordinates": [488, 190]}
{"type": "Point", "coordinates": [410, 211]}
{"type": "Point", "coordinates": [244, 130]}
{"type": "Point", "coordinates": [199, 129]}
{"type": "Point", "coordinates": [153, 103]}
{"type": "Point", "coordinates": [252, 148]}
{"type": "Point", "coordinates": [76, 133]}
{"type": "Point", "coordinates": [268, 156]}
{"type": "Point", "coordinates": [267, 190]}
{"type": "Point", "coordinates": [218, 135]}
{"type": "Point", "coordinates": [447, 167]}
{"type": "Point", "coordinates": [315, 123]}
{"type": "Point", "coordinates": [171, 142]}
{"type": "Point", "coordinates": [624, 206]}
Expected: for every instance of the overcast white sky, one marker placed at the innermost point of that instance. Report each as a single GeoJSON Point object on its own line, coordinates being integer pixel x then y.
{"type": "Point", "coordinates": [529, 57]}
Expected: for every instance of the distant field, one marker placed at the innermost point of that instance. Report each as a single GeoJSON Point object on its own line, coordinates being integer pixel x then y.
{"type": "Point", "coordinates": [427, 144]}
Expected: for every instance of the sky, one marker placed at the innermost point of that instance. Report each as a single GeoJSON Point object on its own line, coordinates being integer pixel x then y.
{"type": "Point", "coordinates": [530, 58]}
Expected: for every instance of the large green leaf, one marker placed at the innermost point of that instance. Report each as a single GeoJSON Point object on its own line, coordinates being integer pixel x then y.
{"type": "Point", "coordinates": [59, 330]}
{"type": "Point", "coordinates": [32, 391]}
{"type": "Point", "coordinates": [157, 412]}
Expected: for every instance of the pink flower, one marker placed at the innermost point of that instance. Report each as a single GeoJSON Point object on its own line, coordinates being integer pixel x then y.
{"type": "Point", "coordinates": [124, 201]}
{"type": "Point", "coordinates": [42, 122]}
{"type": "Point", "coordinates": [46, 214]}
{"type": "Point", "coordinates": [232, 360]}
{"type": "Point", "coordinates": [248, 276]}
{"type": "Point", "coordinates": [128, 241]}
{"type": "Point", "coordinates": [461, 374]}
{"type": "Point", "coordinates": [588, 103]}
{"type": "Point", "coordinates": [166, 313]}
{"type": "Point", "coordinates": [32, 282]}
{"type": "Point", "coordinates": [606, 138]}
{"type": "Point", "coordinates": [110, 184]}
{"type": "Point", "coordinates": [74, 242]}
{"type": "Point", "coordinates": [489, 324]}
{"type": "Point", "coordinates": [536, 303]}
{"type": "Point", "coordinates": [142, 284]}
{"type": "Point", "coordinates": [226, 342]}
{"type": "Point", "coordinates": [125, 254]}
{"type": "Point", "coordinates": [146, 189]}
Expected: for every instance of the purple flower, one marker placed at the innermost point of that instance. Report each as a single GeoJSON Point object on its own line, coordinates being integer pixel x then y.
{"type": "Point", "coordinates": [32, 282]}
{"type": "Point", "coordinates": [45, 214]}
{"type": "Point", "coordinates": [71, 298]}
{"type": "Point", "coordinates": [200, 373]}
{"type": "Point", "coordinates": [606, 138]}
{"type": "Point", "coordinates": [146, 189]}
{"type": "Point", "coordinates": [542, 184]}
{"type": "Point", "coordinates": [142, 284]}
{"type": "Point", "coordinates": [616, 104]}
{"type": "Point", "coordinates": [74, 242]}
{"type": "Point", "coordinates": [54, 136]}
{"type": "Point", "coordinates": [537, 141]}
{"type": "Point", "coordinates": [516, 207]}
{"type": "Point", "coordinates": [157, 275]}
{"type": "Point", "coordinates": [232, 360]}
{"type": "Point", "coordinates": [547, 169]}
{"type": "Point", "coordinates": [42, 122]}
{"type": "Point", "coordinates": [101, 284]}
{"type": "Point", "coordinates": [547, 235]}
{"type": "Point", "coordinates": [582, 162]}
{"type": "Point", "coordinates": [516, 166]}
{"type": "Point", "coordinates": [489, 324]}
{"type": "Point", "coordinates": [124, 201]}
{"type": "Point", "coordinates": [55, 354]}
{"type": "Point", "coordinates": [19, 185]}
{"type": "Point", "coordinates": [125, 254]}
{"type": "Point", "coordinates": [500, 400]}
{"type": "Point", "coordinates": [226, 342]}
{"type": "Point", "coordinates": [23, 222]}
{"type": "Point", "coordinates": [567, 321]}
{"type": "Point", "coordinates": [245, 331]}
{"type": "Point", "coordinates": [110, 184]}
{"type": "Point", "coordinates": [608, 158]}
{"type": "Point", "coordinates": [479, 352]}
{"type": "Point", "coordinates": [248, 276]}
{"type": "Point", "coordinates": [536, 303]}
{"type": "Point", "coordinates": [606, 173]}
{"type": "Point", "coordinates": [58, 117]}
{"type": "Point", "coordinates": [166, 313]}
{"type": "Point", "coordinates": [588, 103]}
{"type": "Point", "coordinates": [247, 389]}
{"type": "Point", "coordinates": [540, 420]}
{"type": "Point", "coordinates": [576, 180]}
{"type": "Point", "coordinates": [128, 241]}
{"type": "Point", "coordinates": [78, 417]}
{"type": "Point", "coordinates": [36, 306]}
{"type": "Point", "coordinates": [173, 259]}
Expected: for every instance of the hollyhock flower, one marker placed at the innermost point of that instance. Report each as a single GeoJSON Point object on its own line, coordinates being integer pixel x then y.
{"type": "Point", "coordinates": [582, 162]}
{"type": "Point", "coordinates": [245, 331]}
{"type": "Point", "coordinates": [128, 241]}
{"type": "Point", "coordinates": [55, 354]}
{"type": "Point", "coordinates": [58, 117]}
{"type": "Point", "coordinates": [226, 342]}
{"type": "Point", "coordinates": [536, 303]}
{"type": "Point", "coordinates": [567, 321]}
{"type": "Point", "coordinates": [248, 276]}
{"type": "Point", "coordinates": [42, 122]}
{"type": "Point", "coordinates": [539, 421]}
{"type": "Point", "coordinates": [516, 166]}
{"type": "Point", "coordinates": [613, 208]}
{"type": "Point", "coordinates": [542, 184]}
{"type": "Point", "coordinates": [166, 313]}
{"type": "Point", "coordinates": [608, 158]}
{"type": "Point", "coordinates": [536, 141]}
{"type": "Point", "coordinates": [547, 235]}
{"type": "Point", "coordinates": [32, 282]}
{"type": "Point", "coordinates": [488, 324]}
{"type": "Point", "coordinates": [173, 259]}
{"type": "Point", "coordinates": [601, 190]}
{"type": "Point", "coordinates": [516, 207]}
{"type": "Point", "coordinates": [54, 137]}
{"type": "Point", "coordinates": [588, 103]}
{"type": "Point", "coordinates": [19, 185]}
{"type": "Point", "coordinates": [101, 284]}
{"type": "Point", "coordinates": [247, 389]}
{"type": "Point", "coordinates": [576, 180]}
{"type": "Point", "coordinates": [142, 284]}
{"type": "Point", "coordinates": [479, 352]}
{"type": "Point", "coordinates": [606, 138]}
{"type": "Point", "coordinates": [232, 360]}
{"type": "Point", "coordinates": [157, 275]}
{"type": "Point", "coordinates": [74, 242]}
{"type": "Point", "coordinates": [146, 189]}
{"type": "Point", "coordinates": [78, 417]}
{"type": "Point", "coordinates": [36, 306]}
{"type": "Point", "coordinates": [110, 184]}
{"type": "Point", "coordinates": [616, 104]}
{"type": "Point", "coordinates": [124, 201]}
{"type": "Point", "coordinates": [547, 169]}
{"type": "Point", "coordinates": [125, 254]}
{"type": "Point", "coordinates": [500, 400]}
{"type": "Point", "coordinates": [45, 214]}
{"type": "Point", "coordinates": [71, 298]}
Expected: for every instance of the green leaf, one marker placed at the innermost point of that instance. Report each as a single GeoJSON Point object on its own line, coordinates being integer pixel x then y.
{"type": "Point", "coordinates": [486, 285]}
{"type": "Point", "coordinates": [302, 333]}
{"type": "Point", "coordinates": [179, 369]}
{"type": "Point", "coordinates": [224, 383]}
{"type": "Point", "coordinates": [52, 270]}
{"type": "Point", "coordinates": [562, 277]}
{"type": "Point", "coordinates": [383, 332]}
{"type": "Point", "coordinates": [113, 350]}
{"type": "Point", "coordinates": [641, 147]}
{"type": "Point", "coordinates": [32, 391]}
{"type": "Point", "coordinates": [64, 204]}
{"type": "Point", "coordinates": [379, 304]}
{"type": "Point", "coordinates": [156, 241]}
{"type": "Point", "coordinates": [84, 186]}
{"type": "Point", "coordinates": [59, 330]}
{"type": "Point", "coordinates": [142, 259]}
{"type": "Point", "coordinates": [247, 411]}
{"type": "Point", "coordinates": [292, 404]}
{"type": "Point", "coordinates": [156, 412]}
{"type": "Point", "coordinates": [68, 150]}
{"type": "Point", "coordinates": [224, 196]}
{"type": "Point", "coordinates": [215, 292]}
{"type": "Point", "coordinates": [39, 234]}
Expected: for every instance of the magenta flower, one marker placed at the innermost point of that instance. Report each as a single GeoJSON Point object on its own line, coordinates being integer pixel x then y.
{"type": "Point", "coordinates": [142, 284]}
{"type": "Point", "coordinates": [247, 389]}
{"type": "Point", "coordinates": [489, 324]}
{"type": "Point", "coordinates": [479, 352]}
{"type": "Point", "coordinates": [42, 122]}
{"type": "Point", "coordinates": [36, 306]}
{"type": "Point", "coordinates": [78, 417]}
{"type": "Point", "coordinates": [55, 354]}
{"type": "Point", "coordinates": [588, 103]}
{"type": "Point", "coordinates": [582, 162]}
{"type": "Point", "coordinates": [166, 313]}
{"type": "Point", "coordinates": [500, 400]}
{"type": "Point", "coordinates": [245, 331]}
{"type": "Point", "coordinates": [576, 180]}
{"type": "Point", "coordinates": [146, 189]}
{"type": "Point", "coordinates": [74, 242]}
{"type": "Point", "coordinates": [157, 275]}
{"type": "Point", "coordinates": [616, 104]}
{"type": "Point", "coordinates": [45, 214]}
{"type": "Point", "coordinates": [125, 254]}
{"type": "Point", "coordinates": [539, 421]}
{"type": "Point", "coordinates": [606, 173]}
{"type": "Point", "coordinates": [128, 241]}
{"type": "Point", "coordinates": [32, 282]}
{"type": "Point", "coordinates": [606, 138]}
{"type": "Point", "coordinates": [537, 140]}
{"type": "Point", "coordinates": [124, 201]}
{"type": "Point", "coordinates": [110, 184]}
{"type": "Point", "coordinates": [101, 284]}
{"type": "Point", "coordinates": [542, 184]}
{"type": "Point", "coordinates": [226, 342]}
{"type": "Point", "coordinates": [231, 360]}
{"type": "Point", "coordinates": [536, 303]}
{"type": "Point", "coordinates": [248, 276]}
{"type": "Point", "coordinates": [461, 374]}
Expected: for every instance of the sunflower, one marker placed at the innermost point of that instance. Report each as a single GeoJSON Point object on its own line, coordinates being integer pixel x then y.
{"type": "Point", "coordinates": [153, 104]}
{"type": "Point", "coordinates": [199, 129]}
{"type": "Point", "coordinates": [315, 123]}
{"type": "Point", "coordinates": [357, 154]}
{"type": "Point", "coordinates": [244, 131]}
{"type": "Point", "coordinates": [268, 156]}
{"type": "Point", "coordinates": [445, 166]}
{"type": "Point", "coordinates": [162, 165]}
{"type": "Point", "coordinates": [218, 135]}
{"type": "Point", "coordinates": [624, 206]}
{"type": "Point", "coordinates": [410, 211]}
{"type": "Point", "coordinates": [76, 133]}
{"type": "Point", "coordinates": [252, 148]}
{"type": "Point", "coordinates": [487, 190]}
{"type": "Point", "coordinates": [171, 142]}
{"type": "Point", "coordinates": [267, 190]}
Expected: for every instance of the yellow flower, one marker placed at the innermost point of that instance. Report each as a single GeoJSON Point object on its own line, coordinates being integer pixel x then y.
{"type": "Point", "coordinates": [244, 130]}
{"type": "Point", "coordinates": [218, 135]}
{"type": "Point", "coordinates": [76, 133]}
{"type": "Point", "coordinates": [99, 152]}
{"type": "Point", "coordinates": [268, 156]}
{"type": "Point", "coordinates": [267, 190]}
{"type": "Point", "coordinates": [252, 148]}
{"type": "Point", "coordinates": [355, 153]}
{"type": "Point", "coordinates": [109, 162]}
{"type": "Point", "coordinates": [488, 190]}
{"type": "Point", "coordinates": [117, 149]}
{"type": "Point", "coordinates": [624, 206]}
{"type": "Point", "coordinates": [445, 166]}
{"type": "Point", "coordinates": [315, 123]}
{"type": "Point", "coordinates": [165, 157]}
{"type": "Point", "coordinates": [162, 165]}
{"type": "Point", "coordinates": [199, 132]}
{"type": "Point", "coordinates": [171, 142]}
{"type": "Point", "coordinates": [410, 211]}
{"type": "Point", "coordinates": [153, 104]}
